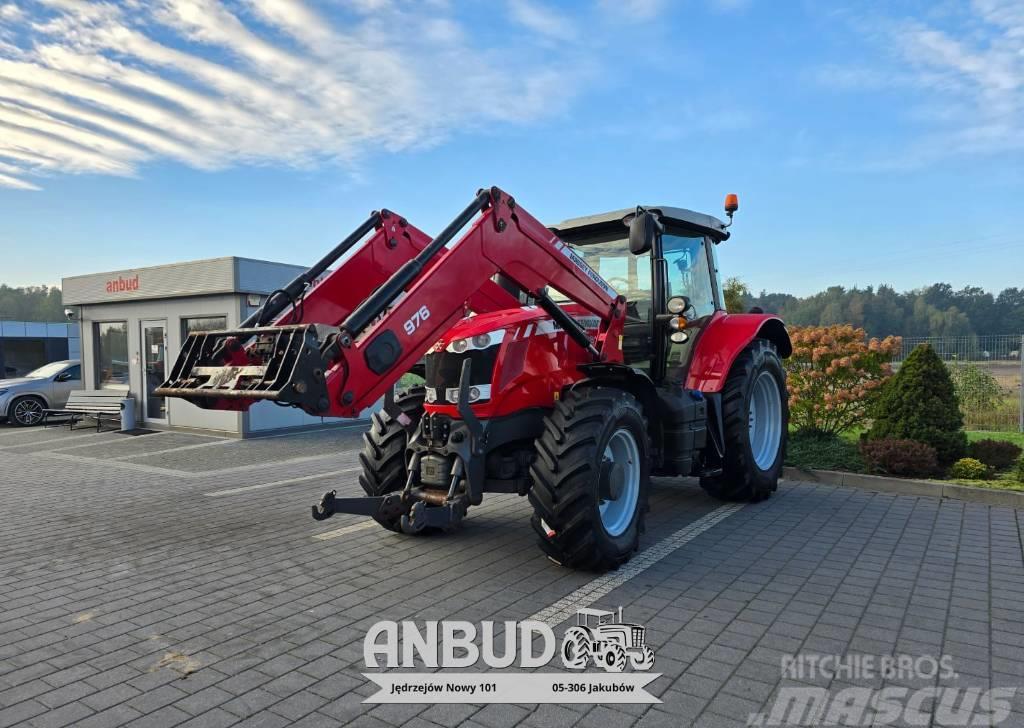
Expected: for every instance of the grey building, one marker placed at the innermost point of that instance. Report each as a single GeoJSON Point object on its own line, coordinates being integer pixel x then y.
{"type": "Point", "coordinates": [26, 345]}
{"type": "Point", "coordinates": [133, 323]}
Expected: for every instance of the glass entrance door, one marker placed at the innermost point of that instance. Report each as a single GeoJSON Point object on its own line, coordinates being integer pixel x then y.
{"type": "Point", "coordinates": [154, 361]}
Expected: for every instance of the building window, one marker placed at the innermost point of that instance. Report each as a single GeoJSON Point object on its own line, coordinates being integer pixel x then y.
{"type": "Point", "coordinates": [202, 323]}
{"type": "Point", "coordinates": [112, 355]}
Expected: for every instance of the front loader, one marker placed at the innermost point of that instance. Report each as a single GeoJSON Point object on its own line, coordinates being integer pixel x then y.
{"type": "Point", "coordinates": [566, 364]}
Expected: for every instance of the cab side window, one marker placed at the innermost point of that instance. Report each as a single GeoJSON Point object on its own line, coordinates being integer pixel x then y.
{"type": "Point", "coordinates": [689, 273]}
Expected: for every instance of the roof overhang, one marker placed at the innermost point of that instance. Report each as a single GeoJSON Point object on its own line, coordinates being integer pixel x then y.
{"type": "Point", "coordinates": [677, 216]}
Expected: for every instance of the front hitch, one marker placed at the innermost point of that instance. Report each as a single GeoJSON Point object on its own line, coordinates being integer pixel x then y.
{"type": "Point", "coordinates": [390, 505]}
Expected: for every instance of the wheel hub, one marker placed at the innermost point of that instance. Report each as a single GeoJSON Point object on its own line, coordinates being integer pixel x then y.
{"type": "Point", "coordinates": [28, 412]}
{"type": "Point", "coordinates": [764, 420]}
{"type": "Point", "coordinates": [612, 480]}
{"type": "Point", "coordinates": [619, 482]}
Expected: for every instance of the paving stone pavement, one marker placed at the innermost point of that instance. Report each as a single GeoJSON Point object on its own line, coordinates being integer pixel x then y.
{"type": "Point", "coordinates": [130, 596]}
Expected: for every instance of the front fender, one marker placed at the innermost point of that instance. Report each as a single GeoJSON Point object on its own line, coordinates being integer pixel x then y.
{"type": "Point", "coordinates": [722, 340]}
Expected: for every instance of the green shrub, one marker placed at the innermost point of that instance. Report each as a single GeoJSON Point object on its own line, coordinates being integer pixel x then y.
{"type": "Point", "coordinates": [969, 469]}
{"type": "Point", "coordinates": [978, 392]}
{"type": "Point", "coordinates": [1018, 470]}
{"type": "Point", "coordinates": [906, 458]}
{"type": "Point", "coordinates": [998, 454]}
{"type": "Point", "coordinates": [824, 451]}
{"type": "Point", "coordinates": [919, 403]}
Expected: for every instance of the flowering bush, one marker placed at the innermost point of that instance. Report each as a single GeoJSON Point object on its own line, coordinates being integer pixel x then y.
{"type": "Point", "coordinates": [834, 375]}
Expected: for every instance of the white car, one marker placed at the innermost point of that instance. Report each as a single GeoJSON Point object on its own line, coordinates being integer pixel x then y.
{"type": "Point", "coordinates": [22, 400]}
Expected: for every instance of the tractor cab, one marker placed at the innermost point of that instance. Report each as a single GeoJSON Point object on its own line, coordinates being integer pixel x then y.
{"type": "Point", "coordinates": [670, 280]}
{"type": "Point", "coordinates": [594, 618]}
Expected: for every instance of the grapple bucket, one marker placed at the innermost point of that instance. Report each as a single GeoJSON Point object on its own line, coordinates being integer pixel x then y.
{"type": "Point", "coordinates": [233, 369]}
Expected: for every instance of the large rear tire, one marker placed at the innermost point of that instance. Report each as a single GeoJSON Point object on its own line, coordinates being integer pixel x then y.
{"type": "Point", "coordinates": [590, 479]}
{"type": "Point", "coordinates": [383, 456]}
{"type": "Point", "coordinates": [755, 413]}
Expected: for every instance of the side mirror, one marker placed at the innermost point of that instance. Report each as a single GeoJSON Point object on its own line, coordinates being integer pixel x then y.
{"type": "Point", "coordinates": [63, 377]}
{"type": "Point", "coordinates": [643, 229]}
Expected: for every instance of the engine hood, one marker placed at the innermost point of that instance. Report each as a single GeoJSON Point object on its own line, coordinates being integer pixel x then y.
{"type": "Point", "coordinates": [11, 383]}
{"type": "Point", "coordinates": [510, 319]}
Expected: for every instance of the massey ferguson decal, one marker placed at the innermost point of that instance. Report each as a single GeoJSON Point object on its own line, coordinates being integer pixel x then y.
{"type": "Point", "coordinates": [577, 261]}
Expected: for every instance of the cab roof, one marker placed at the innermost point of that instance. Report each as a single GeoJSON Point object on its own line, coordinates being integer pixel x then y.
{"type": "Point", "coordinates": [688, 218]}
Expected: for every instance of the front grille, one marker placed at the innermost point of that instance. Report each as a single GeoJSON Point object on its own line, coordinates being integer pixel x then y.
{"type": "Point", "coordinates": [638, 636]}
{"type": "Point", "coordinates": [443, 369]}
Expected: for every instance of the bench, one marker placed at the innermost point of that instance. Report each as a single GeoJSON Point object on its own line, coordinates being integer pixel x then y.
{"type": "Point", "coordinates": [98, 403]}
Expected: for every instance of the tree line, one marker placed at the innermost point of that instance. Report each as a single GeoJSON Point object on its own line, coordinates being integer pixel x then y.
{"type": "Point", "coordinates": [938, 310]}
{"type": "Point", "coordinates": [31, 303]}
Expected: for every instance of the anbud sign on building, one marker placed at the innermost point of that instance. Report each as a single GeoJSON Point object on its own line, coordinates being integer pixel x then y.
{"type": "Point", "coordinates": [120, 285]}
{"type": "Point", "coordinates": [603, 642]}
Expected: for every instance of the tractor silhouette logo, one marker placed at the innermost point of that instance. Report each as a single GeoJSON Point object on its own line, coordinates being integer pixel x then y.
{"type": "Point", "coordinates": [601, 637]}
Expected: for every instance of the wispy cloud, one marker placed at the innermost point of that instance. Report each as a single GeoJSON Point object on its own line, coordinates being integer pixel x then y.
{"type": "Point", "coordinates": [106, 87]}
{"type": "Point", "coordinates": [541, 19]}
{"type": "Point", "coordinates": [636, 10]}
{"type": "Point", "coordinates": [963, 80]}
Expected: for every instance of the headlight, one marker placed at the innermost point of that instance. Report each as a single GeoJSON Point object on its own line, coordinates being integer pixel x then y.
{"type": "Point", "coordinates": [480, 341]}
{"type": "Point", "coordinates": [477, 393]}
{"type": "Point", "coordinates": [677, 304]}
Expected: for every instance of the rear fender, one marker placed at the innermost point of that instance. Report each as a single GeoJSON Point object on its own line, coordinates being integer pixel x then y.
{"type": "Point", "coordinates": [722, 340]}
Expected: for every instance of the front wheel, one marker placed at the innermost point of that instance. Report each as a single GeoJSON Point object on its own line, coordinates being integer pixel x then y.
{"type": "Point", "coordinates": [613, 658]}
{"type": "Point", "coordinates": [755, 414]}
{"type": "Point", "coordinates": [383, 457]}
{"type": "Point", "coordinates": [590, 479]}
{"type": "Point", "coordinates": [642, 660]}
{"type": "Point", "coordinates": [26, 411]}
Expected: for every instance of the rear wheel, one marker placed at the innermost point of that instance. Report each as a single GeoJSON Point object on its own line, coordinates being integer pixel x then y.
{"type": "Point", "coordinates": [26, 411]}
{"type": "Point", "coordinates": [590, 479]}
{"type": "Point", "coordinates": [755, 413]}
{"type": "Point", "coordinates": [383, 455]}
{"type": "Point", "coordinates": [576, 648]}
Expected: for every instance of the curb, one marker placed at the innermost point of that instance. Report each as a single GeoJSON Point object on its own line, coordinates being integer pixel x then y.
{"type": "Point", "coordinates": [902, 486]}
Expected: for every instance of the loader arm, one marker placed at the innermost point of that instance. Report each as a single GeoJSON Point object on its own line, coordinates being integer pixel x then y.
{"type": "Point", "coordinates": [340, 366]}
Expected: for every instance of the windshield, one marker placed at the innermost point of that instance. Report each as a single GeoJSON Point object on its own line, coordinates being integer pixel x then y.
{"type": "Point", "coordinates": [628, 274]}
{"type": "Point", "coordinates": [48, 370]}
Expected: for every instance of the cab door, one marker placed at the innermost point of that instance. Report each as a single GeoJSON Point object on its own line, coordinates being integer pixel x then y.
{"type": "Point", "coordinates": [688, 270]}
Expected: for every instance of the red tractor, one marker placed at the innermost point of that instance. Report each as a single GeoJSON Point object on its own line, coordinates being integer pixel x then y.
{"type": "Point", "coordinates": [567, 364]}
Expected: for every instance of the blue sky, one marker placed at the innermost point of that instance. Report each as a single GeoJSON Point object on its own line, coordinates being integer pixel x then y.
{"type": "Point", "coordinates": [870, 142]}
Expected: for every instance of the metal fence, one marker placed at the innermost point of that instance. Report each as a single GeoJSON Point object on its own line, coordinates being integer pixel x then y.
{"type": "Point", "coordinates": [988, 373]}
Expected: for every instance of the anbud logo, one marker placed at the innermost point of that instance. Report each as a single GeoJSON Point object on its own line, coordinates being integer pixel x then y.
{"type": "Point", "coordinates": [600, 638]}
{"type": "Point", "coordinates": [120, 285]}
{"type": "Point", "coordinates": [452, 644]}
